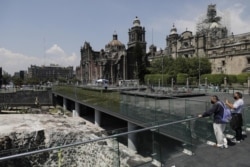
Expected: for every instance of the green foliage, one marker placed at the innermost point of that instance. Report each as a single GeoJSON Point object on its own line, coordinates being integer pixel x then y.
{"type": "Point", "coordinates": [95, 97]}
{"type": "Point", "coordinates": [242, 78]}
{"type": "Point", "coordinates": [6, 78]}
{"type": "Point", "coordinates": [181, 78]}
{"type": "Point", "coordinates": [214, 78]}
{"type": "Point", "coordinates": [192, 80]}
{"type": "Point", "coordinates": [162, 64]}
{"type": "Point", "coordinates": [172, 66]}
{"type": "Point", "coordinates": [154, 78]}
{"type": "Point", "coordinates": [180, 65]}
{"type": "Point", "coordinates": [32, 81]}
{"type": "Point", "coordinates": [196, 64]}
{"type": "Point", "coordinates": [62, 80]}
{"type": "Point", "coordinates": [231, 79]}
{"type": "Point", "coordinates": [17, 81]}
{"type": "Point", "coordinates": [219, 78]}
{"type": "Point", "coordinates": [74, 80]}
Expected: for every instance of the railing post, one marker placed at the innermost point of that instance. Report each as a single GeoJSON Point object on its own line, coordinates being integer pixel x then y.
{"type": "Point", "coordinates": [98, 118]}
{"type": "Point", "coordinates": [132, 136]}
{"type": "Point", "coordinates": [59, 157]}
{"type": "Point", "coordinates": [64, 105]}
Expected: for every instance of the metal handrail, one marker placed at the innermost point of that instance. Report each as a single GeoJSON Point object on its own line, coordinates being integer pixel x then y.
{"type": "Point", "coordinates": [94, 140]}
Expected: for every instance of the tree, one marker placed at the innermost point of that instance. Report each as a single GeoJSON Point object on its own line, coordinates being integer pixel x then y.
{"type": "Point", "coordinates": [180, 65]}
{"type": "Point", "coordinates": [6, 78]}
{"type": "Point", "coordinates": [32, 81]}
{"type": "Point", "coordinates": [194, 67]}
{"type": "Point", "coordinates": [17, 81]}
{"type": "Point", "coordinates": [181, 78]}
{"type": "Point", "coordinates": [189, 66]}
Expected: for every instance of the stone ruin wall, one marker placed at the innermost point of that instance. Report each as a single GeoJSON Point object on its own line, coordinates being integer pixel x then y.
{"type": "Point", "coordinates": [102, 153]}
{"type": "Point", "coordinates": [26, 97]}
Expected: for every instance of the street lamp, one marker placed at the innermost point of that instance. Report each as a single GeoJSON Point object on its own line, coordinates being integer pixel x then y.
{"type": "Point", "coordinates": [248, 84]}
{"type": "Point", "coordinates": [162, 67]}
{"type": "Point", "coordinates": [199, 70]}
{"type": "Point", "coordinates": [162, 70]}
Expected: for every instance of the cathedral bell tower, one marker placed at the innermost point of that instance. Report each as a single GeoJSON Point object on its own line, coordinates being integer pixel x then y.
{"type": "Point", "coordinates": [136, 36]}
{"type": "Point", "coordinates": [171, 41]}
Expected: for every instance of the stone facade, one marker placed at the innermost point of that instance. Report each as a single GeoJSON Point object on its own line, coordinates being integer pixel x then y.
{"type": "Point", "coordinates": [228, 54]}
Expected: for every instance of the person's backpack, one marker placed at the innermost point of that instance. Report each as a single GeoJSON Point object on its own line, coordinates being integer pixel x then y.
{"type": "Point", "coordinates": [227, 116]}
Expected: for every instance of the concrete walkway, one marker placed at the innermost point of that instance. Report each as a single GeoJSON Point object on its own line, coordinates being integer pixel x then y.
{"type": "Point", "coordinates": [236, 155]}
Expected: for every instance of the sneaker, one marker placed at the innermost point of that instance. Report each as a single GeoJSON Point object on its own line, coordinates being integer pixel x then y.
{"type": "Point", "coordinates": [235, 141]}
{"type": "Point", "coordinates": [219, 146]}
{"type": "Point", "coordinates": [225, 143]}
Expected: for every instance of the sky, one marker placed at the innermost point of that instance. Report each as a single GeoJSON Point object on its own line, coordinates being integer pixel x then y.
{"type": "Point", "coordinates": [44, 32]}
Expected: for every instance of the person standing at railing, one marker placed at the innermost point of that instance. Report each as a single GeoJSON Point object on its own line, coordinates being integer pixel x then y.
{"type": "Point", "coordinates": [237, 121]}
{"type": "Point", "coordinates": [219, 125]}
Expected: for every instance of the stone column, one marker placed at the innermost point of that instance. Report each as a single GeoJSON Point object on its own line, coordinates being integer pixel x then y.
{"type": "Point", "coordinates": [172, 83]}
{"type": "Point", "coordinates": [98, 117]}
{"type": "Point", "coordinates": [77, 110]}
{"type": "Point", "coordinates": [225, 81]}
{"type": "Point", "coordinates": [132, 136]}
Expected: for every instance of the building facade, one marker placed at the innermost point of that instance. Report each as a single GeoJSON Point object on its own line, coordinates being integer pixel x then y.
{"type": "Point", "coordinates": [228, 53]}
{"type": "Point", "coordinates": [50, 73]}
{"type": "Point", "coordinates": [1, 78]}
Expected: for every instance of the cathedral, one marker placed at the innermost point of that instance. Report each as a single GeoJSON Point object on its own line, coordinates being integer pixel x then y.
{"type": "Point", "coordinates": [115, 62]}
{"type": "Point", "coordinates": [228, 53]}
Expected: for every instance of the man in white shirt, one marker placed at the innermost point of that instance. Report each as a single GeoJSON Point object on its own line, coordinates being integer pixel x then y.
{"type": "Point", "coordinates": [236, 109]}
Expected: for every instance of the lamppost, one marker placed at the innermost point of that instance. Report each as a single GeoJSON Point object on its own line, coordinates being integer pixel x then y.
{"type": "Point", "coordinates": [248, 84]}
{"type": "Point", "coordinates": [199, 70]}
{"type": "Point", "coordinates": [162, 69]}
{"type": "Point", "coordinates": [172, 83]}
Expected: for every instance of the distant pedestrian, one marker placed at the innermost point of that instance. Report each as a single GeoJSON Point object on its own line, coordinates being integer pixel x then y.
{"type": "Point", "coordinates": [217, 88]}
{"type": "Point", "coordinates": [105, 86]}
{"type": "Point", "coordinates": [237, 120]}
{"type": "Point", "coordinates": [219, 126]}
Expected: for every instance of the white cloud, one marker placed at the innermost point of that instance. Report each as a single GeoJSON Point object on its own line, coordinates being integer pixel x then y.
{"type": "Point", "coordinates": [184, 25]}
{"type": "Point", "coordinates": [235, 14]}
{"type": "Point", "coordinates": [57, 55]}
{"type": "Point", "coordinates": [12, 62]}
{"type": "Point", "coordinates": [55, 50]}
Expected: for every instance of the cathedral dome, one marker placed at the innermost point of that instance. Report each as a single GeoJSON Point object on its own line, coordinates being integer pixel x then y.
{"type": "Point", "coordinates": [215, 25]}
{"type": "Point", "coordinates": [115, 44]}
{"type": "Point", "coordinates": [115, 41]}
